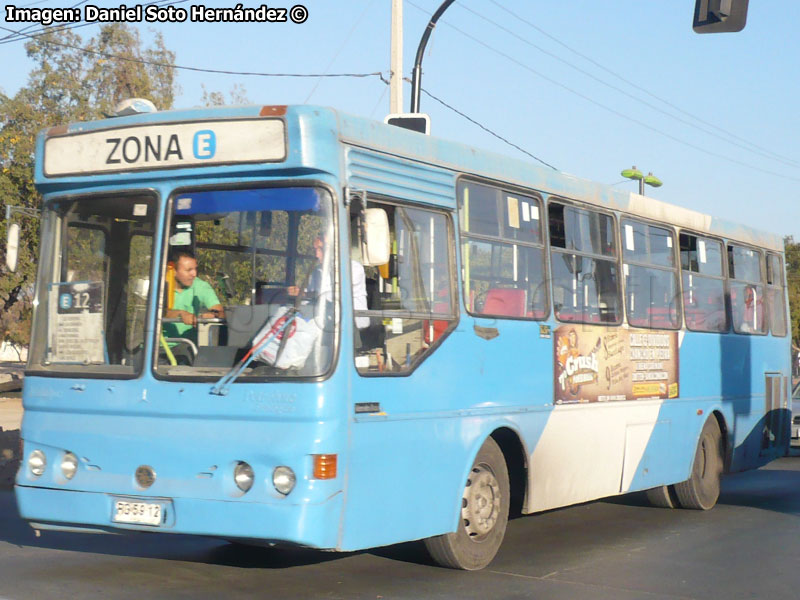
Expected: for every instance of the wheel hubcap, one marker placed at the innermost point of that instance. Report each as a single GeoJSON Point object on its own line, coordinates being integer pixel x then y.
{"type": "Point", "coordinates": [481, 503]}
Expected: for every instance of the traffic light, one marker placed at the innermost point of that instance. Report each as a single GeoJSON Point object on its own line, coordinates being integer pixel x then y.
{"type": "Point", "coordinates": [718, 16]}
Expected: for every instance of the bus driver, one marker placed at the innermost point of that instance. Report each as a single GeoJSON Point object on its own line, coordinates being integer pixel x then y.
{"type": "Point", "coordinates": [193, 298]}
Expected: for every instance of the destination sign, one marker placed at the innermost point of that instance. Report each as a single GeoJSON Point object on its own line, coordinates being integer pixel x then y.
{"type": "Point", "coordinates": [166, 146]}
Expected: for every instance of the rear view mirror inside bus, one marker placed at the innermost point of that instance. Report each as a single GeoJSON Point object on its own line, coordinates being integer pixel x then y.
{"type": "Point", "coordinates": [12, 247]}
{"type": "Point", "coordinates": [375, 240]}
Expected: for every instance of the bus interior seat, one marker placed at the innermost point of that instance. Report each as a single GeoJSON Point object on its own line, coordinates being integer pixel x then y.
{"type": "Point", "coordinates": [661, 318]}
{"type": "Point", "coordinates": [217, 356]}
{"type": "Point", "coordinates": [507, 302]}
{"type": "Point", "coordinates": [242, 323]}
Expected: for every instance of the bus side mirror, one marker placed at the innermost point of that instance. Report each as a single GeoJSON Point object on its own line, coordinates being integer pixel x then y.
{"type": "Point", "coordinates": [12, 247]}
{"type": "Point", "coordinates": [375, 237]}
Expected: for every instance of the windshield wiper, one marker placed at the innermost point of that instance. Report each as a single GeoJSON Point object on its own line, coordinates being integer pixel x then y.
{"type": "Point", "coordinates": [221, 387]}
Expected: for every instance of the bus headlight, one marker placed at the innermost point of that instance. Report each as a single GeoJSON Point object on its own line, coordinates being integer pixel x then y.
{"type": "Point", "coordinates": [283, 479]}
{"type": "Point", "coordinates": [243, 476]}
{"type": "Point", "coordinates": [69, 465]}
{"type": "Point", "coordinates": [37, 462]}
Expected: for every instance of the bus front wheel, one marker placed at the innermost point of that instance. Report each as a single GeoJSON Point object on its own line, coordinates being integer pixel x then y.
{"type": "Point", "coordinates": [484, 515]}
{"type": "Point", "coordinates": [701, 490]}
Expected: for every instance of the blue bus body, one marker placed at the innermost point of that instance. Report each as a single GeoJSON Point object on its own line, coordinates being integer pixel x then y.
{"type": "Point", "coordinates": [401, 465]}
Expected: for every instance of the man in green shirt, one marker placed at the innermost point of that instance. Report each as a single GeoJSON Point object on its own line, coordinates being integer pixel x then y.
{"type": "Point", "coordinates": [193, 298]}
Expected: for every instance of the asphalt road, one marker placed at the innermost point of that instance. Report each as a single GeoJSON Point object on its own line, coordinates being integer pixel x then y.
{"type": "Point", "coordinates": [747, 547]}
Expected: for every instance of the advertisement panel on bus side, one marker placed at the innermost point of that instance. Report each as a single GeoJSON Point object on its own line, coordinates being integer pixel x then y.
{"type": "Point", "coordinates": [606, 364]}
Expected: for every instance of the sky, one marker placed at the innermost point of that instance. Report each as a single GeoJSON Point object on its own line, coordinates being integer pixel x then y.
{"type": "Point", "coordinates": [589, 87]}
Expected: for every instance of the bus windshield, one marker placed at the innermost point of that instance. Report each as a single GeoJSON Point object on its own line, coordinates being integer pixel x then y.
{"type": "Point", "coordinates": [95, 280]}
{"type": "Point", "coordinates": [249, 277]}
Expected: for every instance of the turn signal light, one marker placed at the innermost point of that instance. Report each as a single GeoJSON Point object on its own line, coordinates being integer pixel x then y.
{"type": "Point", "coordinates": [324, 466]}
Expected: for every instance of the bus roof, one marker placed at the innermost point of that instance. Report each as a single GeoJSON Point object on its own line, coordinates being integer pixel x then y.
{"type": "Point", "coordinates": [468, 160]}
{"type": "Point", "coordinates": [457, 157]}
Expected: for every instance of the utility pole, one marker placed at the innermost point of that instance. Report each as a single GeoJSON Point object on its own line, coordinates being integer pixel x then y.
{"type": "Point", "coordinates": [396, 82]}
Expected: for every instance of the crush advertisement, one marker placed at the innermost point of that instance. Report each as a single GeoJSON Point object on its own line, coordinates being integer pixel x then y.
{"type": "Point", "coordinates": [609, 364]}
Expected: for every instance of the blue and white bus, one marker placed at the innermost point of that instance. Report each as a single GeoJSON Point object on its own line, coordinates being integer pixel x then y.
{"type": "Point", "coordinates": [415, 340]}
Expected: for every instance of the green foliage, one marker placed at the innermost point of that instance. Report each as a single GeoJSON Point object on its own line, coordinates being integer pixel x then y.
{"type": "Point", "coordinates": [793, 285]}
{"type": "Point", "coordinates": [237, 95]}
{"type": "Point", "coordinates": [67, 84]}
{"type": "Point", "coordinates": [242, 248]}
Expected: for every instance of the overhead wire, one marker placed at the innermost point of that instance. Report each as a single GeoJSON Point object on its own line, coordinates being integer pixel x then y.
{"type": "Point", "coordinates": [341, 47]}
{"type": "Point", "coordinates": [476, 122]}
{"type": "Point", "coordinates": [614, 111]}
{"type": "Point", "coordinates": [31, 3]}
{"type": "Point", "coordinates": [630, 83]}
{"type": "Point", "coordinates": [39, 32]}
{"type": "Point", "coordinates": [380, 100]}
{"type": "Point", "coordinates": [107, 55]}
{"type": "Point", "coordinates": [20, 34]}
{"type": "Point", "coordinates": [710, 130]}
{"type": "Point", "coordinates": [28, 27]}
{"type": "Point", "coordinates": [497, 135]}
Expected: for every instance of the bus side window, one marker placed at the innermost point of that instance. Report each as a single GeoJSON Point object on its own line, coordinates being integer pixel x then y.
{"type": "Point", "coordinates": [776, 303]}
{"type": "Point", "coordinates": [409, 301]}
{"type": "Point", "coordinates": [747, 290]}
{"type": "Point", "coordinates": [583, 265]}
{"type": "Point", "coordinates": [703, 283]}
{"type": "Point", "coordinates": [502, 252]}
{"type": "Point", "coordinates": [651, 278]}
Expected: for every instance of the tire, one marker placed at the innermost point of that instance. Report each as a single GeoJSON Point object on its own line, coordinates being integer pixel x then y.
{"type": "Point", "coordinates": [701, 490]}
{"type": "Point", "coordinates": [663, 496]}
{"type": "Point", "coordinates": [484, 515]}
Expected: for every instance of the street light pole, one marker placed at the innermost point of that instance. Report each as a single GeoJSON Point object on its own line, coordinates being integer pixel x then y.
{"type": "Point", "coordinates": [416, 75]}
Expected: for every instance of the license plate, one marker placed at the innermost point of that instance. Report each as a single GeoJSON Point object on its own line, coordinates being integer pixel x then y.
{"type": "Point", "coordinates": [141, 513]}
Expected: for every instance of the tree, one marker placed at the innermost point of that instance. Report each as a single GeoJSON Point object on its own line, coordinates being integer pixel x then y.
{"type": "Point", "coordinates": [71, 81]}
{"type": "Point", "coordinates": [237, 95]}
{"type": "Point", "coordinates": [793, 285]}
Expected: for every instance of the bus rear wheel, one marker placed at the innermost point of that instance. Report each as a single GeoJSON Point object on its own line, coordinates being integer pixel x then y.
{"type": "Point", "coordinates": [701, 490]}
{"type": "Point", "coordinates": [484, 515]}
{"type": "Point", "coordinates": [663, 496]}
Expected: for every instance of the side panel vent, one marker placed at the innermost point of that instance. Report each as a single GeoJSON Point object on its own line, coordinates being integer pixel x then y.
{"type": "Point", "coordinates": [776, 412]}
{"type": "Point", "coordinates": [399, 178]}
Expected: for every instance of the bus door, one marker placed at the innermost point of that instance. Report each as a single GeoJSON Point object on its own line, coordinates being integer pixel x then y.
{"type": "Point", "coordinates": [96, 283]}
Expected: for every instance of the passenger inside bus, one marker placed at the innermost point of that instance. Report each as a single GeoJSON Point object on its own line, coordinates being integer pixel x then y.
{"type": "Point", "coordinates": [368, 337]}
{"type": "Point", "coordinates": [748, 312]}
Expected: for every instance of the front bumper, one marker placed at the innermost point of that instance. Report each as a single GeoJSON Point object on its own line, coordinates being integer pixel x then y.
{"type": "Point", "coordinates": [305, 524]}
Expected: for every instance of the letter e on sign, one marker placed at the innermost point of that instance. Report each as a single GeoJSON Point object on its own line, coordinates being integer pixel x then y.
{"type": "Point", "coordinates": [204, 144]}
